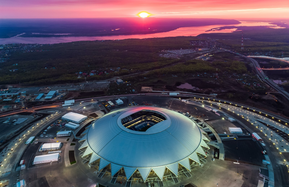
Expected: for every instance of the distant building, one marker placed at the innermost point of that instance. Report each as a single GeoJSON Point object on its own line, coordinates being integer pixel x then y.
{"type": "Point", "coordinates": [39, 96]}
{"type": "Point", "coordinates": [146, 89]}
{"type": "Point", "coordinates": [119, 81]}
{"type": "Point", "coordinates": [51, 94]}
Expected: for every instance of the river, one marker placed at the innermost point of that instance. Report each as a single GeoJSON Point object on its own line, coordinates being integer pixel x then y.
{"type": "Point", "coordinates": [183, 31]}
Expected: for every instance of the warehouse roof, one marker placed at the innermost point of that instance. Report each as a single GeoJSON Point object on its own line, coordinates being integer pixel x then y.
{"type": "Point", "coordinates": [74, 117]}
{"type": "Point", "coordinates": [46, 158]}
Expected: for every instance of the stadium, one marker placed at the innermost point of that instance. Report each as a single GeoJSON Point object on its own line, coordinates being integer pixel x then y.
{"type": "Point", "coordinates": [144, 144]}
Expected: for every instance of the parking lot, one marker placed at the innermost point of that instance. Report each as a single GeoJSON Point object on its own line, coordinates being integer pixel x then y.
{"type": "Point", "coordinates": [246, 151]}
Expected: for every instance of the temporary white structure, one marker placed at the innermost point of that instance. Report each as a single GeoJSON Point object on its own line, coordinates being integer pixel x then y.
{"type": "Point", "coordinates": [235, 130]}
{"type": "Point", "coordinates": [63, 133]}
{"type": "Point", "coordinates": [41, 159]}
{"type": "Point", "coordinates": [74, 117]}
{"type": "Point", "coordinates": [50, 146]}
{"type": "Point", "coordinates": [172, 141]}
{"type": "Point", "coordinates": [72, 125]}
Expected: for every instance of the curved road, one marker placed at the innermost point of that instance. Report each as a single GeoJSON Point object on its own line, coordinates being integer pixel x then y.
{"type": "Point", "coordinates": [262, 75]}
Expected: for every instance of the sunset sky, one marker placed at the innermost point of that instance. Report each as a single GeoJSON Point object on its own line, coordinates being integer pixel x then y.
{"type": "Point", "coordinates": [159, 8]}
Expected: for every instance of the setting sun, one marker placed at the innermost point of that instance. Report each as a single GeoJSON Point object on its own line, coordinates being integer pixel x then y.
{"type": "Point", "coordinates": [144, 14]}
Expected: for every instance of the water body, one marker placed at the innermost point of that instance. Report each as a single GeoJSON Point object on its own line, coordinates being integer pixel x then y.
{"type": "Point", "coordinates": [110, 31]}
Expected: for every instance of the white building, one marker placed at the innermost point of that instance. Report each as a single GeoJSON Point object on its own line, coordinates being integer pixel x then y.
{"type": "Point", "coordinates": [235, 130]}
{"type": "Point", "coordinates": [63, 133]}
{"type": "Point", "coordinates": [41, 159]}
{"type": "Point", "coordinates": [50, 146]}
{"type": "Point", "coordinates": [74, 117]}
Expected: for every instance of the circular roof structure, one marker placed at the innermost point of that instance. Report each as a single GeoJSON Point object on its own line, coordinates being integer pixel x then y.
{"type": "Point", "coordinates": [144, 139]}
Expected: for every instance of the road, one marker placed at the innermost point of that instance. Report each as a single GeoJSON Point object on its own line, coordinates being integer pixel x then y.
{"type": "Point", "coordinates": [33, 109]}
{"type": "Point", "coordinates": [262, 75]}
{"type": "Point", "coordinates": [272, 58]}
{"type": "Point", "coordinates": [17, 146]}
{"type": "Point", "coordinates": [275, 69]}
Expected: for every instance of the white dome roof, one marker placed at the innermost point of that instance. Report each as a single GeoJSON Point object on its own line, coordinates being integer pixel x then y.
{"type": "Point", "coordinates": [166, 144]}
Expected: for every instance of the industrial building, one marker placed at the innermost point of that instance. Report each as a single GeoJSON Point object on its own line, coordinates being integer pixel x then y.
{"type": "Point", "coordinates": [50, 146]}
{"type": "Point", "coordinates": [74, 117]}
{"type": "Point", "coordinates": [144, 144]}
{"type": "Point", "coordinates": [42, 159]}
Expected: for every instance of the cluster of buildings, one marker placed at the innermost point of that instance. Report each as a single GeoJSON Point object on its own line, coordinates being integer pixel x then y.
{"type": "Point", "coordinates": [99, 72]}
{"type": "Point", "coordinates": [73, 121]}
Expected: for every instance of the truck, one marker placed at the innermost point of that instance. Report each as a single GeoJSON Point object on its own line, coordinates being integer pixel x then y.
{"type": "Point", "coordinates": [22, 162]}
{"type": "Point", "coordinates": [258, 138]}
{"type": "Point", "coordinates": [30, 140]}
{"type": "Point", "coordinates": [21, 183]}
{"type": "Point", "coordinates": [23, 167]}
{"type": "Point", "coordinates": [265, 162]}
{"type": "Point", "coordinates": [231, 119]}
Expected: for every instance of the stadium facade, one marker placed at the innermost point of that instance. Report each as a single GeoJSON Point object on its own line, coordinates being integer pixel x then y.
{"type": "Point", "coordinates": [144, 144]}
